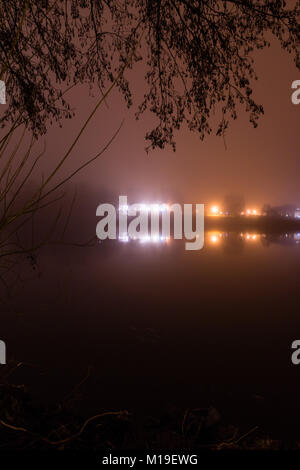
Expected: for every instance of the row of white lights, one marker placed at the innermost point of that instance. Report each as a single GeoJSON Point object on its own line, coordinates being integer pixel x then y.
{"type": "Point", "coordinates": [146, 208]}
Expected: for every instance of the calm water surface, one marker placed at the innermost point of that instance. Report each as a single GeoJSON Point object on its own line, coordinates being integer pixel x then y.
{"type": "Point", "coordinates": [163, 325]}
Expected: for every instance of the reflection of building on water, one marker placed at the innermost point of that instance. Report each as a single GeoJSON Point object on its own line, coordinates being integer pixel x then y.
{"type": "Point", "coordinates": [234, 239]}
{"type": "Point", "coordinates": [225, 239]}
{"type": "Point", "coordinates": [297, 237]}
{"type": "Point", "coordinates": [287, 239]}
{"type": "Point", "coordinates": [144, 239]}
{"type": "Point", "coordinates": [215, 238]}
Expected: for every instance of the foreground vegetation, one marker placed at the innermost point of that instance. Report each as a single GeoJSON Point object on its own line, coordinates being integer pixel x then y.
{"type": "Point", "coordinates": [26, 425]}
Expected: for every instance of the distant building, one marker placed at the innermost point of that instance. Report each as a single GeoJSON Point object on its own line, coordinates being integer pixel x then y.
{"type": "Point", "coordinates": [297, 213]}
{"type": "Point", "coordinates": [286, 210]}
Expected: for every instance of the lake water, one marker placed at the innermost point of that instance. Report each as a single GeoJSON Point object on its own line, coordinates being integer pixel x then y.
{"type": "Point", "coordinates": [160, 324]}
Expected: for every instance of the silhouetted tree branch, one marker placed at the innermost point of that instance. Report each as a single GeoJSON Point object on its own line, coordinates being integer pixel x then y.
{"type": "Point", "coordinates": [197, 53]}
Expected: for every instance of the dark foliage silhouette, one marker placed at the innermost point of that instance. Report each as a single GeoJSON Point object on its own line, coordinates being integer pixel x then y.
{"type": "Point", "coordinates": [197, 54]}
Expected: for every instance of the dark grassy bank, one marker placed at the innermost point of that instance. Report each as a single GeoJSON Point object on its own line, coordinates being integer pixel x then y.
{"type": "Point", "coordinates": [26, 425]}
{"type": "Point", "coordinates": [262, 224]}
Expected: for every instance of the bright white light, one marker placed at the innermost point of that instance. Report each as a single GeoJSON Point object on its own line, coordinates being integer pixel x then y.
{"type": "Point", "coordinates": [214, 239]}
{"type": "Point", "coordinates": [155, 207]}
{"type": "Point", "coordinates": [251, 237]}
{"type": "Point", "coordinates": [214, 210]}
{"type": "Point", "coordinates": [124, 208]}
{"type": "Point", "coordinates": [250, 212]}
{"type": "Point", "coordinates": [163, 207]}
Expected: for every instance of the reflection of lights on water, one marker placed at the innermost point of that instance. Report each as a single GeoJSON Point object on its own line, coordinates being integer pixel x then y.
{"type": "Point", "coordinates": [154, 239]}
{"type": "Point", "coordinates": [145, 239]}
{"type": "Point", "coordinates": [123, 238]}
{"type": "Point", "coordinates": [296, 237]}
{"type": "Point", "coordinates": [215, 237]}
